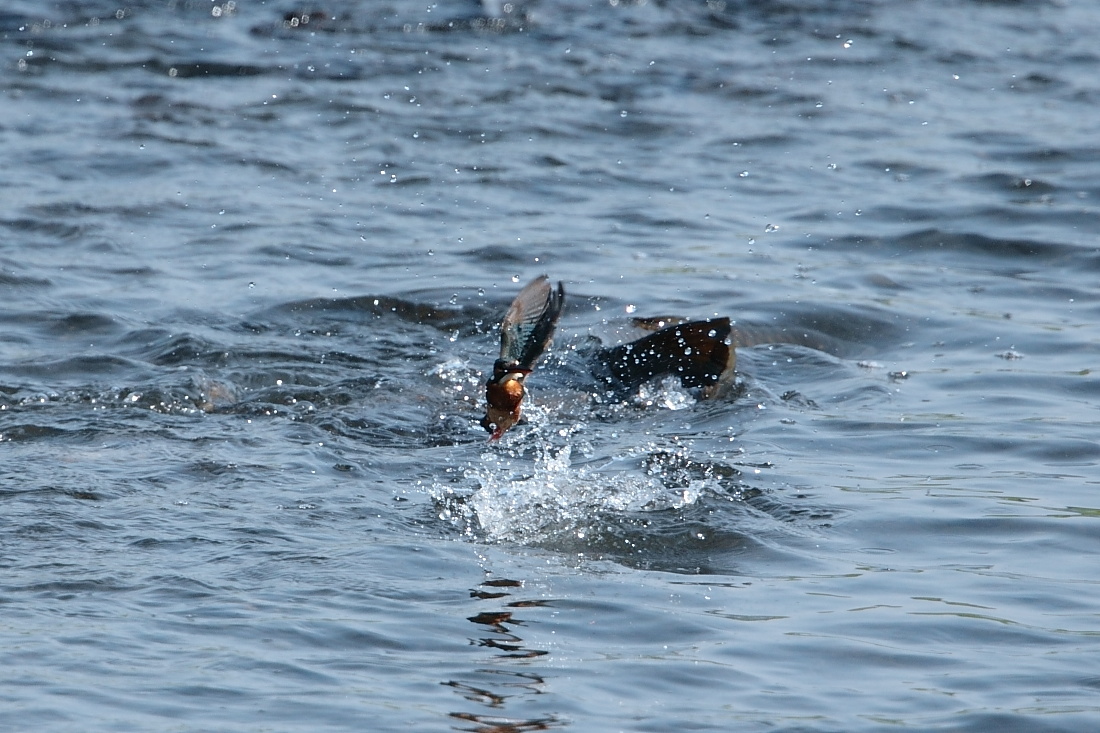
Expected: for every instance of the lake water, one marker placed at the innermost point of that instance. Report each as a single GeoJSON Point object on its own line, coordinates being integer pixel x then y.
{"type": "Point", "coordinates": [252, 266]}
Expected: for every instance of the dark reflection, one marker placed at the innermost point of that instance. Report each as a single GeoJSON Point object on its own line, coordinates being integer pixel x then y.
{"type": "Point", "coordinates": [490, 724]}
{"type": "Point", "coordinates": [499, 622]}
{"type": "Point", "coordinates": [494, 689]}
{"type": "Point", "coordinates": [485, 595]}
{"type": "Point", "coordinates": [478, 694]}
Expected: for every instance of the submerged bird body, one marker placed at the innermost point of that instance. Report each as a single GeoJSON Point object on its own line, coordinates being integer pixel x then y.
{"type": "Point", "coordinates": [699, 353]}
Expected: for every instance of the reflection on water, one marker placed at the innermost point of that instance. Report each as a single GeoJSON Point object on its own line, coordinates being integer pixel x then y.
{"type": "Point", "coordinates": [493, 688]}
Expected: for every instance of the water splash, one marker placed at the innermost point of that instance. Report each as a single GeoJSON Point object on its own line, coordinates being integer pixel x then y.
{"type": "Point", "coordinates": [666, 393]}
{"type": "Point", "coordinates": [545, 489]}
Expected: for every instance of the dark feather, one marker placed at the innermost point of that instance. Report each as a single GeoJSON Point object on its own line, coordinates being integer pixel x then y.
{"type": "Point", "coordinates": [699, 353]}
{"type": "Point", "coordinates": [529, 323]}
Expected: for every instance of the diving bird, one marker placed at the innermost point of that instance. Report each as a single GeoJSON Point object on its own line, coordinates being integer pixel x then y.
{"type": "Point", "coordinates": [525, 333]}
{"type": "Point", "coordinates": [699, 353]}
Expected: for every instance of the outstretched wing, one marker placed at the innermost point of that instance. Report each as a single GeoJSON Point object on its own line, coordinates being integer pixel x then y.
{"type": "Point", "coordinates": [529, 323]}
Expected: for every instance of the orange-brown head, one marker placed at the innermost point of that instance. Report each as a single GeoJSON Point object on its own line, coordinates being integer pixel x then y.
{"type": "Point", "coordinates": [504, 394]}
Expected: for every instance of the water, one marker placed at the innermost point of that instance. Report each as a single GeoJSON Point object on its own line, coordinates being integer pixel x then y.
{"type": "Point", "coordinates": [251, 274]}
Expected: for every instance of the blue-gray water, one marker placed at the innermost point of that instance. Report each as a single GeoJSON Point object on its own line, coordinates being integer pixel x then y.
{"type": "Point", "coordinates": [250, 275]}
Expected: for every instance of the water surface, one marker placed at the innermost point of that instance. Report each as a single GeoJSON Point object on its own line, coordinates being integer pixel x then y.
{"type": "Point", "coordinates": [253, 264]}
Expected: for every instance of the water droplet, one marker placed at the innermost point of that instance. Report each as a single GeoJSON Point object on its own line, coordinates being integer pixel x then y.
{"type": "Point", "coordinates": [631, 308]}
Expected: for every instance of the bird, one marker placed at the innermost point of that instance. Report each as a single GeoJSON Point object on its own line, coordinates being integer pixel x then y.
{"type": "Point", "coordinates": [525, 332]}
{"type": "Point", "coordinates": [700, 354]}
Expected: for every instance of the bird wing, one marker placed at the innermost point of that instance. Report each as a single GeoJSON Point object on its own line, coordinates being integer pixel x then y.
{"type": "Point", "coordinates": [529, 323]}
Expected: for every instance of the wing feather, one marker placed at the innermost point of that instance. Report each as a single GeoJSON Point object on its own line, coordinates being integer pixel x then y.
{"type": "Point", "coordinates": [529, 323]}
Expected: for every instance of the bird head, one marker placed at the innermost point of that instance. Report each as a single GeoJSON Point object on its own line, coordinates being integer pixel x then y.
{"type": "Point", "coordinates": [504, 394]}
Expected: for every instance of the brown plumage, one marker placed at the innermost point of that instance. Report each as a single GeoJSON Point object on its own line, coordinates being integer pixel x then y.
{"type": "Point", "coordinates": [503, 398]}
{"type": "Point", "coordinates": [699, 353]}
{"type": "Point", "coordinates": [525, 333]}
